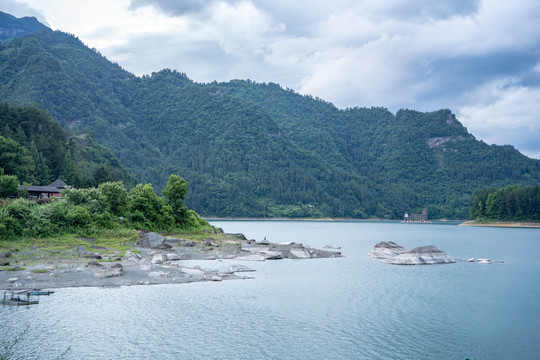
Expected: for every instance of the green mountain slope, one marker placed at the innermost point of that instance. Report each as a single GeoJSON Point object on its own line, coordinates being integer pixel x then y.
{"type": "Point", "coordinates": [38, 150]}
{"type": "Point", "coordinates": [11, 27]}
{"type": "Point", "coordinates": [251, 149]}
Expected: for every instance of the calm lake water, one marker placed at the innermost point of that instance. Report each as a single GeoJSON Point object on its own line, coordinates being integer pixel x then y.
{"type": "Point", "coordinates": [353, 307]}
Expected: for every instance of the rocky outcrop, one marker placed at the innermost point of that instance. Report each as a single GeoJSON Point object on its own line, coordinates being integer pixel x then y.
{"type": "Point", "coordinates": [386, 250]}
{"type": "Point", "coordinates": [149, 239]}
{"type": "Point", "coordinates": [393, 253]}
{"type": "Point", "coordinates": [423, 255]}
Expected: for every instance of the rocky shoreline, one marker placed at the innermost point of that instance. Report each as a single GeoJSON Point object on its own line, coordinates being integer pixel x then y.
{"type": "Point", "coordinates": [154, 259]}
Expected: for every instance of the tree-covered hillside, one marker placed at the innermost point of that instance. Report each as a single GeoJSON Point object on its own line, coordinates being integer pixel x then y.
{"type": "Point", "coordinates": [37, 150]}
{"type": "Point", "coordinates": [249, 149]}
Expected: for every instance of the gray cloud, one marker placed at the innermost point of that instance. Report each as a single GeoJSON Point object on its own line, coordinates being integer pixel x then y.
{"type": "Point", "coordinates": [479, 58]}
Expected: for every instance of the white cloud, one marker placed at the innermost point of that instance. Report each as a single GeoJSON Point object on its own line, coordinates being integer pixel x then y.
{"type": "Point", "coordinates": [503, 112]}
{"type": "Point", "coordinates": [416, 54]}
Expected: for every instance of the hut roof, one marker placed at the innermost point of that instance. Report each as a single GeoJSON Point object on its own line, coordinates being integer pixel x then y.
{"type": "Point", "coordinates": [59, 184]}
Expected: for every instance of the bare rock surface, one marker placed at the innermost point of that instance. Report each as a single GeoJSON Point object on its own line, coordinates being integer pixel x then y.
{"type": "Point", "coordinates": [393, 253]}
{"type": "Point", "coordinates": [149, 239]}
{"type": "Point", "coordinates": [151, 260]}
{"type": "Point", "coordinates": [423, 255]}
{"type": "Point", "coordinates": [386, 250]}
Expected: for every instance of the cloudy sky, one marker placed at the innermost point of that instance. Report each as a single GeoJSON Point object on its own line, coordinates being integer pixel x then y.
{"type": "Point", "coordinates": [481, 59]}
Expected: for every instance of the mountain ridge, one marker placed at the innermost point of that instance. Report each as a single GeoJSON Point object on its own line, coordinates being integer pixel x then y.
{"type": "Point", "coordinates": [252, 149]}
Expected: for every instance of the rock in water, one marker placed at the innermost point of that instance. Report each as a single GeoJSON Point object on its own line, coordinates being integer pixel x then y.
{"type": "Point", "coordinates": [423, 255]}
{"type": "Point", "coordinates": [386, 250]}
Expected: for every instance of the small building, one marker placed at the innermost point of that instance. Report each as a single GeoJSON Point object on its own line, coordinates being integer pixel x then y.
{"type": "Point", "coordinates": [416, 218]}
{"type": "Point", "coordinates": [45, 192]}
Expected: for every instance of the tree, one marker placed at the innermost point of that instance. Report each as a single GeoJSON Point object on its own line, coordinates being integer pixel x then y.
{"type": "Point", "coordinates": [115, 195]}
{"type": "Point", "coordinates": [8, 185]}
{"type": "Point", "coordinates": [15, 159]}
{"type": "Point", "coordinates": [174, 192]}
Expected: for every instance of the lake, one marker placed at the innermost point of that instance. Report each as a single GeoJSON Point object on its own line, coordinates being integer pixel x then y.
{"type": "Point", "coordinates": [353, 307]}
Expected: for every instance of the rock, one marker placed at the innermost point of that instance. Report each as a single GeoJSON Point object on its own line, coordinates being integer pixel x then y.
{"type": "Point", "coordinates": [386, 250]}
{"type": "Point", "coordinates": [12, 280]}
{"type": "Point", "coordinates": [239, 236]}
{"type": "Point", "coordinates": [93, 256]}
{"type": "Point", "coordinates": [162, 247]}
{"type": "Point", "coordinates": [94, 264]}
{"type": "Point", "coordinates": [300, 253]}
{"type": "Point", "coordinates": [173, 257]}
{"type": "Point", "coordinates": [216, 278]}
{"type": "Point", "coordinates": [150, 239]}
{"type": "Point", "coordinates": [5, 255]}
{"type": "Point", "coordinates": [81, 250]}
{"type": "Point", "coordinates": [424, 255]}
{"type": "Point", "coordinates": [110, 271]}
{"type": "Point", "coordinates": [189, 243]}
{"type": "Point", "coordinates": [239, 268]}
{"type": "Point", "coordinates": [130, 256]}
{"type": "Point", "coordinates": [159, 258]}
{"type": "Point", "coordinates": [4, 263]}
{"type": "Point", "coordinates": [272, 255]}
{"type": "Point", "coordinates": [331, 247]}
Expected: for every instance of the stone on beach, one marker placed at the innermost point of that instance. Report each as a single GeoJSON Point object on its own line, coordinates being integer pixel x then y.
{"type": "Point", "coordinates": [110, 271]}
{"type": "Point", "coordinates": [148, 240]}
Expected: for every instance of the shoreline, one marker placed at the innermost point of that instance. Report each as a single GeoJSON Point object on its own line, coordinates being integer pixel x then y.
{"type": "Point", "coordinates": [504, 224]}
{"type": "Point", "coordinates": [159, 260]}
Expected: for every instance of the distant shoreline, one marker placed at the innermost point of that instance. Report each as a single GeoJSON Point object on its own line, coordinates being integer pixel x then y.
{"type": "Point", "coordinates": [507, 224]}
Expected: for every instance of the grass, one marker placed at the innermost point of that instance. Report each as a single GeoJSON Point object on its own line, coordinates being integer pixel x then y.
{"type": "Point", "coordinates": [39, 271]}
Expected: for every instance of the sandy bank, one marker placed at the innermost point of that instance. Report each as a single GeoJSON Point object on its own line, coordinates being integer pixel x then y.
{"type": "Point", "coordinates": [503, 224]}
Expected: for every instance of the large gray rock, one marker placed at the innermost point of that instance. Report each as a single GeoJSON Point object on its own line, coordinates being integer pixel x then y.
{"type": "Point", "coordinates": [424, 255]}
{"type": "Point", "coordinates": [148, 240]}
{"type": "Point", "coordinates": [110, 271]}
{"type": "Point", "coordinates": [386, 250]}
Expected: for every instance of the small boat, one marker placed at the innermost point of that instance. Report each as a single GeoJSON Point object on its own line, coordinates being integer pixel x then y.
{"type": "Point", "coordinates": [470, 260]}
{"type": "Point", "coordinates": [484, 261]}
{"type": "Point", "coordinates": [40, 292]}
{"type": "Point", "coordinates": [19, 298]}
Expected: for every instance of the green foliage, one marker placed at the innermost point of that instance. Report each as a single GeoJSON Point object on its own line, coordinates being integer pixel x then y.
{"type": "Point", "coordinates": [37, 150]}
{"type": "Point", "coordinates": [95, 210]}
{"type": "Point", "coordinates": [8, 186]}
{"type": "Point", "coordinates": [15, 159]}
{"type": "Point", "coordinates": [511, 203]}
{"type": "Point", "coordinates": [174, 192]}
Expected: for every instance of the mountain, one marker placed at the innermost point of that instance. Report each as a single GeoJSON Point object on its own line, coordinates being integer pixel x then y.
{"type": "Point", "coordinates": [11, 27]}
{"type": "Point", "coordinates": [250, 149]}
{"type": "Point", "coordinates": [38, 150]}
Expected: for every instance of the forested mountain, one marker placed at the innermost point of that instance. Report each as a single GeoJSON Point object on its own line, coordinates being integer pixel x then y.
{"type": "Point", "coordinates": [37, 150]}
{"type": "Point", "coordinates": [11, 27]}
{"type": "Point", "coordinates": [249, 149]}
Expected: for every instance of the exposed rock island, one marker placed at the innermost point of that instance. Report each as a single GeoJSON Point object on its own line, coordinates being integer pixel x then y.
{"type": "Point", "coordinates": [392, 253]}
